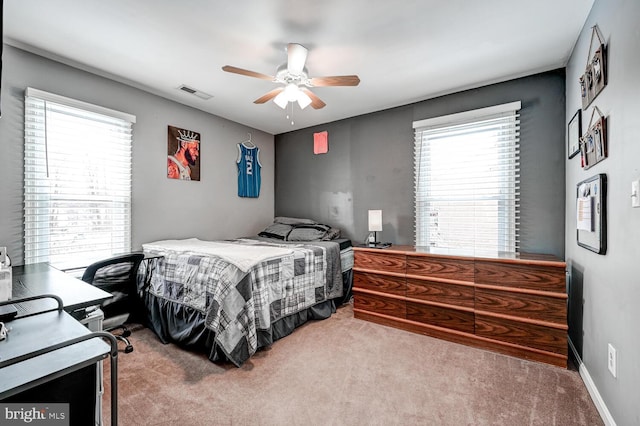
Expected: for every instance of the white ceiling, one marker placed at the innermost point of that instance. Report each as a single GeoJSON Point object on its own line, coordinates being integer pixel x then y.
{"type": "Point", "coordinates": [403, 51]}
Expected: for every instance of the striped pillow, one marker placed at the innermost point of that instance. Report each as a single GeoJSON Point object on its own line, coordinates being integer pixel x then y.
{"type": "Point", "coordinates": [314, 232]}
{"type": "Point", "coordinates": [276, 230]}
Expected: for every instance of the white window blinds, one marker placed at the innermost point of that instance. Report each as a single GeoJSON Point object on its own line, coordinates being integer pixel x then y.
{"type": "Point", "coordinates": [467, 180]}
{"type": "Point", "coordinates": [77, 181]}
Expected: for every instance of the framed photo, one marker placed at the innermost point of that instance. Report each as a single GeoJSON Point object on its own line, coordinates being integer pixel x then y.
{"type": "Point", "coordinates": [593, 144]}
{"type": "Point", "coordinates": [591, 213]}
{"type": "Point", "coordinates": [574, 132]}
{"type": "Point", "coordinates": [594, 78]}
{"type": "Point", "coordinates": [598, 70]}
{"type": "Point", "coordinates": [183, 154]}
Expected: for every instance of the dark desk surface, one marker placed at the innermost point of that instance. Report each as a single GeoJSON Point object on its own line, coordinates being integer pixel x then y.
{"type": "Point", "coordinates": [41, 278]}
{"type": "Point", "coordinates": [40, 331]}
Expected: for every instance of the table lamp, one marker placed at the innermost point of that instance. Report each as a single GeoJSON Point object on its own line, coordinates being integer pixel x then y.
{"type": "Point", "coordinates": [375, 225]}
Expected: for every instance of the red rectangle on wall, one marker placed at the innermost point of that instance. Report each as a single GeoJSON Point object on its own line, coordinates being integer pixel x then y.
{"type": "Point", "coordinates": [321, 142]}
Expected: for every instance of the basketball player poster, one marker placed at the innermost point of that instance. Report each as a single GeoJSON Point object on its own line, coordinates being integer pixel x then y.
{"type": "Point", "coordinates": [183, 154]}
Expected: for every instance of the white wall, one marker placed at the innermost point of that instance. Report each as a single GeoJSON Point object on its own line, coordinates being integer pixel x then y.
{"type": "Point", "coordinates": [608, 287]}
{"type": "Point", "coordinates": [161, 207]}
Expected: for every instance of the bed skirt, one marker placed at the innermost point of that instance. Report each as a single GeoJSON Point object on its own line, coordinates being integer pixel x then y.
{"type": "Point", "coordinates": [185, 326]}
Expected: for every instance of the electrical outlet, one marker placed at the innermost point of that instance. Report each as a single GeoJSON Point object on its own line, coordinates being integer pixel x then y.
{"type": "Point", "coordinates": [612, 361]}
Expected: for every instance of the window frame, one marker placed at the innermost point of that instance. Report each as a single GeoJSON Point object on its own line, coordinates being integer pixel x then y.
{"type": "Point", "coordinates": [45, 188]}
{"type": "Point", "coordinates": [446, 126]}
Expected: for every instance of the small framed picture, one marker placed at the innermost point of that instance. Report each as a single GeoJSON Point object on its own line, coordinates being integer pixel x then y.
{"type": "Point", "coordinates": [598, 70]}
{"type": "Point", "coordinates": [574, 132]}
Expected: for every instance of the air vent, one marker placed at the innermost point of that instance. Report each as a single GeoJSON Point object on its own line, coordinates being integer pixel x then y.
{"type": "Point", "coordinates": [195, 92]}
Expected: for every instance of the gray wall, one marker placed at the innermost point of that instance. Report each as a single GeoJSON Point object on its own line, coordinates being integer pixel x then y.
{"type": "Point", "coordinates": [370, 164]}
{"type": "Point", "coordinates": [161, 207]}
{"type": "Point", "coordinates": [605, 290]}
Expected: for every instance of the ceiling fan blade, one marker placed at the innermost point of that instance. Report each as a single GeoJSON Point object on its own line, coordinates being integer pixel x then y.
{"type": "Point", "coordinates": [316, 102]}
{"type": "Point", "coordinates": [236, 70]}
{"type": "Point", "coordinates": [268, 96]}
{"type": "Point", "coordinates": [337, 80]}
{"type": "Point", "coordinates": [296, 58]}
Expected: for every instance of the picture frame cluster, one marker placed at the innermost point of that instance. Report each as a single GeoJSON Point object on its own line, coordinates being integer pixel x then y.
{"type": "Point", "coordinates": [591, 222]}
{"type": "Point", "coordinates": [592, 145]}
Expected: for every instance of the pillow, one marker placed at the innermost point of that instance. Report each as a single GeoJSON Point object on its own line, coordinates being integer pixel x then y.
{"type": "Point", "coordinates": [293, 221]}
{"type": "Point", "coordinates": [276, 230]}
{"type": "Point", "coordinates": [314, 232]}
{"type": "Point", "coordinates": [332, 234]}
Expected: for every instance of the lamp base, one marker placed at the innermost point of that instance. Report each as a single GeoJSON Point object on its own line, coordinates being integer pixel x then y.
{"type": "Point", "coordinates": [378, 244]}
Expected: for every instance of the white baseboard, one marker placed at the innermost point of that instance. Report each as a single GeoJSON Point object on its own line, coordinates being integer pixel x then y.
{"type": "Point", "coordinates": [591, 388]}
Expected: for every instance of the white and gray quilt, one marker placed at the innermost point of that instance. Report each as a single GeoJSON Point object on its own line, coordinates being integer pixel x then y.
{"type": "Point", "coordinates": [241, 295]}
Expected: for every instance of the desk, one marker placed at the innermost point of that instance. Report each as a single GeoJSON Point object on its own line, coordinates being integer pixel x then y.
{"type": "Point", "coordinates": [49, 357]}
{"type": "Point", "coordinates": [43, 377]}
{"type": "Point", "coordinates": [42, 278]}
{"type": "Point", "coordinates": [40, 331]}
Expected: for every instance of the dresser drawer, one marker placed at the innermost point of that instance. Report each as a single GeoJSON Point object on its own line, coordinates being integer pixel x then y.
{"type": "Point", "coordinates": [532, 277]}
{"type": "Point", "coordinates": [543, 308]}
{"type": "Point", "coordinates": [385, 262]}
{"type": "Point", "coordinates": [433, 267]}
{"type": "Point", "coordinates": [452, 294]}
{"type": "Point", "coordinates": [379, 304]}
{"type": "Point", "coordinates": [516, 306]}
{"type": "Point", "coordinates": [381, 283]}
{"type": "Point", "coordinates": [453, 319]}
{"type": "Point", "coordinates": [522, 333]}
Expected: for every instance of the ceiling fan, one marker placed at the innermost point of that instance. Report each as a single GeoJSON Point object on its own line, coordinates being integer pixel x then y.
{"type": "Point", "coordinates": [295, 80]}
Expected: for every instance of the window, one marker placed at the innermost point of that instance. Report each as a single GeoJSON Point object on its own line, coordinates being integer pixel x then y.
{"type": "Point", "coordinates": [467, 180]}
{"type": "Point", "coordinates": [77, 181]}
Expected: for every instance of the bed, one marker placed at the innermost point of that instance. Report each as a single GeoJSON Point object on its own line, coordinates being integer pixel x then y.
{"type": "Point", "coordinates": [230, 298]}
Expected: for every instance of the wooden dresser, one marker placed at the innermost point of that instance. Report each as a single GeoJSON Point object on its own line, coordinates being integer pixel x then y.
{"type": "Point", "coordinates": [512, 305]}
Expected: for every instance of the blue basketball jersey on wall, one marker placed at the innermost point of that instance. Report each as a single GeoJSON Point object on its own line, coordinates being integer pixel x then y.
{"type": "Point", "coordinates": [248, 171]}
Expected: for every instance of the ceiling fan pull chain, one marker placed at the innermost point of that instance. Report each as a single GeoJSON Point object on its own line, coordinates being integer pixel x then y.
{"type": "Point", "coordinates": [290, 116]}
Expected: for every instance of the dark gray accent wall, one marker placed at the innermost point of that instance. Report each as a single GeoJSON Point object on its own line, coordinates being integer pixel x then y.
{"type": "Point", "coordinates": [370, 164]}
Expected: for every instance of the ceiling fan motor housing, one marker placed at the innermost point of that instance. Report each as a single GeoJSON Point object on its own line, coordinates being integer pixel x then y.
{"type": "Point", "coordinates": [284, 76]}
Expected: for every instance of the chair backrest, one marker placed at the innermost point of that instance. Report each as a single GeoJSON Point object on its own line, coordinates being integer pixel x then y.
{"type": "Point", "coordinates": [116, 275]}
{"type": "Point", "coordinates": [114, 270]}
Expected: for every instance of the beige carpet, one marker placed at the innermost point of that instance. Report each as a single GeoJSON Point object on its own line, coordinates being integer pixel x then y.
{"type": "Point", "coordinates": [344, 371]}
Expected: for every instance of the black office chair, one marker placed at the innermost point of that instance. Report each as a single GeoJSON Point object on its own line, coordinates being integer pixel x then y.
{"type": "Point", "coordinates": [117, 275]}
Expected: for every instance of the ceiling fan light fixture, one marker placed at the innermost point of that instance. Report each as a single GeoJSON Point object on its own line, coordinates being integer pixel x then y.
{"type": "Point", "coordinates": [291, 92]}
{"type": "Point", "coordinates": [303, 99]}
{"type": "Point", "coordinates": [281, 100]}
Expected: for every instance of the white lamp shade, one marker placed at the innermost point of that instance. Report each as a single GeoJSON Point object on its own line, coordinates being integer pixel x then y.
{"type": "Point", "coordinates": [281, 100]}
{"type": "Point", "coordinates": [375, 220]}
{"type": "Point", "coordinates": [303, 99]}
